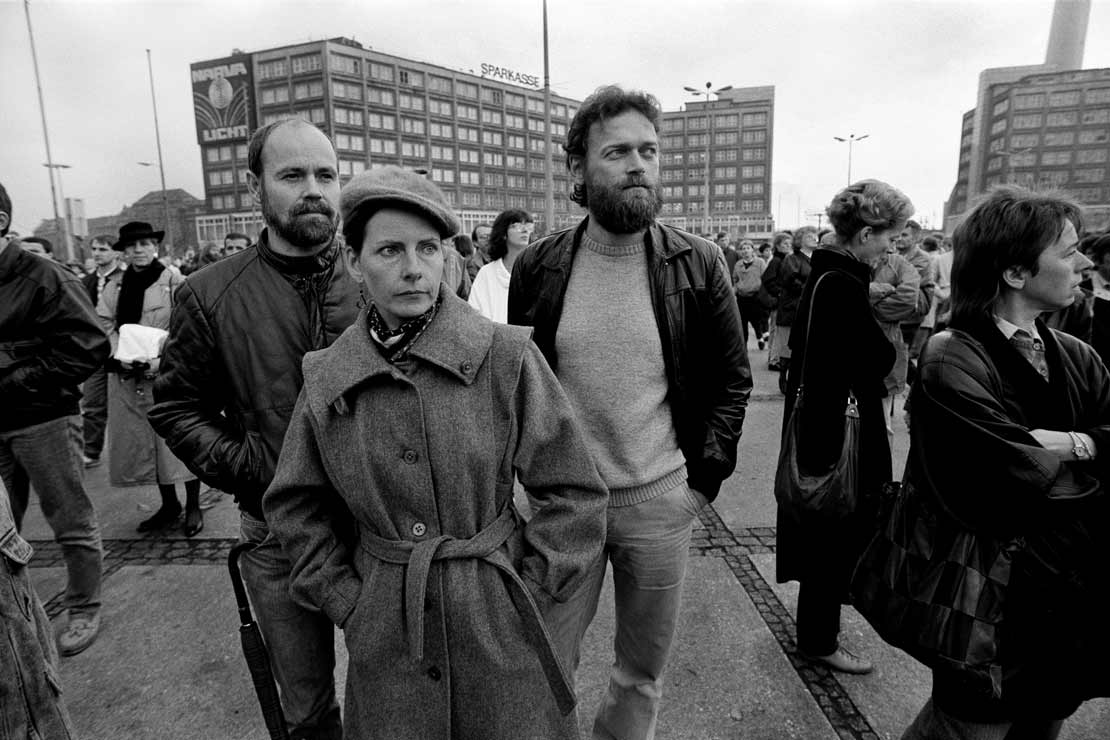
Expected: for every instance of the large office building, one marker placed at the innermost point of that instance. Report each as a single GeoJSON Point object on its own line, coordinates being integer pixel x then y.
{"type": "Point", "coordinates": [1045, 125]}
{"type": "Point", "coordinates": [481, 138]}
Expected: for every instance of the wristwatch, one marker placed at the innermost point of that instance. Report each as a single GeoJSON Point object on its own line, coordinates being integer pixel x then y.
{"type": "Point", "coordinates": [1079, 448]}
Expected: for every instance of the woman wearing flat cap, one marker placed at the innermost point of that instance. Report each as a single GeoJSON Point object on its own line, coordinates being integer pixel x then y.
{"type": "Point", "coordinates": [393, 495]}
{"type": "Point", "coordinates": [136, 455]}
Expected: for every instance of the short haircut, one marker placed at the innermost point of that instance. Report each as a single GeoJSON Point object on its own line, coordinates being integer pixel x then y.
{"type": "Point", "coordinates": [474, 234]}
{"type": "Point", "coordinates": [867, 203]}
{"type": "Point", "coordinates": [1010, 227]}
{"type": "Point", "coordinates": [930, 244]}
{"type": "Point", "coordinates": [236, 235]}
{"type": "Point", "coordinates": [499, 233]}
{"type": "Point", "coordinates": [779, 238]}
{"type": "Point", "coordinates": [464, 245]}
{"type": "Point", "coordinates": [803, 230]}
{"type": "Point", "coordinates": [604, 103]}
{"type": "Point", "coordinates": [913, 225]}
{"type": "Point", "coordinates": [262, 135]}
{"type": "Point", "coordinates": [103, 239]}
{"type": "Point", "coordinates": [39, 240]}
{"type": "Point", "coordinates": [5, 207]}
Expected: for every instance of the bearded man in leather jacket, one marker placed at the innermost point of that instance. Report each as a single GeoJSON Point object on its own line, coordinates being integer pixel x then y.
{"type": "Point", "coordinates": [231, 374]}
{"type": "Point", "coordinates": [639, 323]}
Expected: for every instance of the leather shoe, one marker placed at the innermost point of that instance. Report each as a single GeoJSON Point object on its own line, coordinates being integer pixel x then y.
{"type": "Point", "coordinates": [194, 522]}
{"type": "Point", "coordinates": [162, 518]}
{"type": "Point", "coordinates": [79, 633]}
{"type": "Point", "coordinates": [843, 660]}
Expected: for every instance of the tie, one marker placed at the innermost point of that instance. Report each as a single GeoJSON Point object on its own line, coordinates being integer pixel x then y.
{"type": "Point", "coordinates": [1032, 349]}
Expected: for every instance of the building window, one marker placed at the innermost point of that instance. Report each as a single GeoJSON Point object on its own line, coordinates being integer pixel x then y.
{"type": "Point", "coordinates": [752, 171]}
{"type": "Point", "coordinates": [1089, 195]}
{"type": "Point", "coordinates": [1000, 108]}
{"type": "Point", "coordinates": [1097, 95]}
{"type": "Point", "coordinates": [757, 136]}
{"type": "Point", "coordinates": [491, 117]}
{"type": "Point", "coordinates": [1059, 138]}
{"type": "Point", "coordinates": [697, 122]}
{"type": "Point", "coordinates": [1032, 120]}
{"type": "Point", "coordinates": [440, 84]}
{"type": "Point", "coordinates": [697, 139]}
{"type": "Point", "coordinates": [1021, 141]}
{"type": "Point", "coordinates": [1067, 118]}
{"type": "Point", "coordinates": [994, 164]}
{"type": "Point", "coordinates": [351, 166]}
{"type": "Point", "coordinates": [379, 96]}
{"type": "Point", "coordinates": [470, 177]}
{"type": "Point", "coordinates": [516, 141]}
{"type": "Point", "coordinates": [1054, 178]}
{"type": "Point", "coordinates": [383, 146]}
{"type": "Point", "coordinates": [440, 174]}
{"type": "Point", "coordinates": [412, 125]}
{"type": "Point", "coordinates": [754, 119]}
{"type": "Point", "coordinates": [998, 126]}
{"type": "Point", "coordinates": [754, 155]}
{"type": "Point", "coordinates": [535, 105]}
{"type": "Point", "coordinates": [441, 108]}
{"type": "Point", "coordinates": [354, 142]}
{"type": "Point", "coordinates": [383, 72]}
{"type": "Point", "coordinates": [1027, 102]}
{"type": "Point", "coordinates": [467, 112]}
{"type": "Point", "coordinates": [413, 149]}
{"type": "Point", "coordinates": [724, 188]}
{"type": "Point", "coordinates": [471, 197]}
{"type": "Point", "coordinates": [726, 138]}
{"type": "Point", "coordinates": [317, 115]}
{"type": "Point", "coordinates": [996, 145]}
{"type": "Point", "coordinates": [1063, 99]}
{"type": "Point", "coordinates": [751, 188]}
{"type": "Point", "coordinates": [442, 130]}
{"type": "Point", "coordinates": [1023, 159]}
{"type": "Point", "coordinates": [410, 77]}
{"type": "Point", "coordinates": [751, 206]}
{"type": "Point", "coordinates": [726, 120]}
{"type": "Point", "coordinates": [466, 89]}
{"type": "Point", "coordinates": [724, 173]}
{"type": "Point", "coordinates": [383, 122]}
{"type": "Point", "coordinates": [492, 138]}
{"type": "Point", "coordinates": [466, 133]}
{"type": "Point", "coordinates": [518, 201]}
{"type": "Point", "coordinates": [446, 153]}
{"type": "Point", "coordinates": [489, 95]}
{"type": "Point", "coordinates": [724, 206]}
{"type": "Point", "coordinates": [1096, 116]}
{"type": "Point", "coordinates": [272, 95]}
{"type": "Point", "coordinates": [514, 121]}
{"type": "Point", "coordinates": [516, 162]}
{"type": "Point", "coordinates": [470, 156]}
{"type": "Point", "coordinates": [512, 100]}
{"type": "Point", "coordinates": [722, 155]}
{"type": "Point", "coordinates": [306, 63]}
{"type": "Point", "coordinates": [1094, 137]}
{"type": "Point", "coordinates": [495, 180]}
{"type": "Point", "coordinates": [303, 90]}
{"type": "Point", "coordinates": [535, 164]}
{"type": "Point", "coordinates": [493, 159]}
{"type": "Point", "coordinates": [516, 181]}
{"type": "Point", "coordinates": [1090, 156]}
{"type": "Point", "coordinates": [348, 116]}
{"type": "Point", "coordinates": [1094, 175]}
{"type": "Point", "coordinates": [410, 102]}
{"type": "Point", "coordinates": [345, 65]}
{"type": "Point", "coordinates": [272, 70]}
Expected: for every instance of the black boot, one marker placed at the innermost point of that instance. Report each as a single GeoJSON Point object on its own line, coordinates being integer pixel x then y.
{"type": "Point", "coordinates": [194, 517]}
{"type": "Point", "coordinates": [167, 514]}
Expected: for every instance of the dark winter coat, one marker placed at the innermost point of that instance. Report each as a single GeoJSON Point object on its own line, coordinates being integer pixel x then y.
{"type": "Point", "coordinates": [772, 282]}
{"type": "Point", "coordinates": [847, 350]}
{"type": "Point", "coordinates": [231, 370]}
{"type": "Point", "coordinates": [707, 367]}
{"type": "Point", "coordinates": [793, 274]}
{"type": "Point", "coordinates": [50, 339]}
{"type": "Point", "coordinates": [421, 458]}
{"type": "Point", "coordinates": [975, 401]}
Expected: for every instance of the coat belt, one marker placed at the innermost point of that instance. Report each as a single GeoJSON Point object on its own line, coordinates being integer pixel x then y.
{"type": "Point", "coordinates": [485, 546]}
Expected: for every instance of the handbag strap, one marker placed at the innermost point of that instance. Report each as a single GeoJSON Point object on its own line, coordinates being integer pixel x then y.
{"type": "Point", "coordinates": [805, 357]}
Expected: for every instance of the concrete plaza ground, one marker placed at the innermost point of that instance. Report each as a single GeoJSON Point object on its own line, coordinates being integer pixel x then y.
{"type": "Point", "coordinates": [167, 664]}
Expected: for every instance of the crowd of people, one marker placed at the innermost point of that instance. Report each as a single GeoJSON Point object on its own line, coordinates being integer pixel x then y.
{"type": "Point", "coordinates": [372, 387]}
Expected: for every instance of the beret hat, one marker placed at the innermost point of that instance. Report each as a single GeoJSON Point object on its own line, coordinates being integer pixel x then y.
{"type": "Point", "coordinates": [372, 190]}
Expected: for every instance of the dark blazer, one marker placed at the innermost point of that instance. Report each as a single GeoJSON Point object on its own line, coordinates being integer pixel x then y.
{"type": "Point", "coordinates": [847, 350]}
{"type": "Point", "coordinates": [707, 367]}
{"type": "Point", "coordinates": [974, 462]}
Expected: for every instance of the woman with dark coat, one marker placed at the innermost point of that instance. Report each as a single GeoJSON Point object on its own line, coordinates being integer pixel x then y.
{"type": "Point", "coordinates": [393, 495]}
{"type": "Point", "coordinates": [847, 353]}
{"type": "Point", "coordinates": [793, 275]}
{"type": "Point", "coordinates": [781, 244]}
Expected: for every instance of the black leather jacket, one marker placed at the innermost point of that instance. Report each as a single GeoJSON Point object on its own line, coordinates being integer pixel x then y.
{"type": "Point", "coordinates": [50, 339]}
{"type": "Point", "coordinates": [699, 326]}
{"type": "Point", "coordinates": [231, 370]}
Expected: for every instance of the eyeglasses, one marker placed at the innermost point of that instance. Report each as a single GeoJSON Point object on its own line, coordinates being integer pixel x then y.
{"type": "Point", "coordinates": [522, 226]}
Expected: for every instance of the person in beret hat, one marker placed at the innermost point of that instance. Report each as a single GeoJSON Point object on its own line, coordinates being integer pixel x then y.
{"type": "Point", "coordinates": [411, 423]}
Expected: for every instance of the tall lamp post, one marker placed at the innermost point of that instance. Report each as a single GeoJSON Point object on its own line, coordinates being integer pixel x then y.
{"type": "Point", "coordinates": [709, 136]}
{"type": "Point", "coordinates": [852, 138]}
{"type": "Point", "coordinates": [68, 239]}
{"type": "Point", "coordinates": [161, 167]}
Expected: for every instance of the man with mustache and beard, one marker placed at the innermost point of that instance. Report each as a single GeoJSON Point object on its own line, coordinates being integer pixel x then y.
{"type": "Point", "coordinates": [231, 374]}
{"type": "Point", "coordinates": [639, 323]}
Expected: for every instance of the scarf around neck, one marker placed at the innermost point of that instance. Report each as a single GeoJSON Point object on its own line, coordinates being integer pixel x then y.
{"type": "Point", "coordinates": [129, 309]}
{"type": "Point", "coordinates": [394, 344]}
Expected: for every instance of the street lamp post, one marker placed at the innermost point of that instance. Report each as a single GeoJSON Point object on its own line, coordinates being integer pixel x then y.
{"type": "Point", "coordinates": [709, 136]}
{"type": "Point", "coordinates": [161, 167]}
{"type": "Point", "coordinates": [68, 239]}
{"type": "Point", "coordinates": [852, 138]}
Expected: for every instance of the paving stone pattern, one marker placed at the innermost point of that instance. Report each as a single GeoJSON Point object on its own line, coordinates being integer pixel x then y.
{"type": "Point", "coordinates": [711, 538]}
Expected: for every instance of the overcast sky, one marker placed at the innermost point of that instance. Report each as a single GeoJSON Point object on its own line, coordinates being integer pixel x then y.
{"type": "Point", "coordinates": [901, 71]}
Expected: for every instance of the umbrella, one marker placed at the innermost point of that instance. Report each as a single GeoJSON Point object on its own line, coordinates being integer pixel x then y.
{"type": "Point", "coordinates": [254, 649]}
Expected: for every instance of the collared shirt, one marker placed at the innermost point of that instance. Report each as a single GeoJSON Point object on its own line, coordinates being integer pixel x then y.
{"type": "Point", "coordinates": [102, 278]}
{"type": "Point", "coordinates": [1009, 329]}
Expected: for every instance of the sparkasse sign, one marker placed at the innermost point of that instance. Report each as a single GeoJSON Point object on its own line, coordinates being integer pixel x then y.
{"type": "Point", "coordinates": [509, 75]}
{"type": "Point", "coordinates": [222, 99]}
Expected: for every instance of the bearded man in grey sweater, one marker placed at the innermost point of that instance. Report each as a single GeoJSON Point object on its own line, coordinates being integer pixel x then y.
{"type": "Point", "coordinates": [639, 323]}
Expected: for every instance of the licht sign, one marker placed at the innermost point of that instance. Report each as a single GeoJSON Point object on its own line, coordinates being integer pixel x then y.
{"type": "Point", "coordinates": [508, 75]}
{"type": "Point", "coordinates": [222, 99]}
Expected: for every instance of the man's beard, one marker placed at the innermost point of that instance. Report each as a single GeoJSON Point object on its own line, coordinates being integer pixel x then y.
{"type": "Point", "coordinates": [621, 210]}
{"type": "Point", "coordinates": [301, 232]}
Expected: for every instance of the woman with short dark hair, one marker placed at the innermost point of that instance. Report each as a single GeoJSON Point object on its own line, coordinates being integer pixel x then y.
{"type": "Point", "coordinates": [511, 233]}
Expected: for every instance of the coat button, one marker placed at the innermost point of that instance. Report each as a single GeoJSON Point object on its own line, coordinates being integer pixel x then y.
{"type": "Point", "coordinates": [410, 457]}
{"type": "Point", "coordinates": [434, 674]}
{"type": "Point", "coordinates": [466, 367]}
{"type": "Point", "coordinates": [419, 529]}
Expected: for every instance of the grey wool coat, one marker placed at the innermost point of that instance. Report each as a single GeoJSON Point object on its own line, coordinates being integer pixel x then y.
{"type": "Point", "coordinates": [393, 499]}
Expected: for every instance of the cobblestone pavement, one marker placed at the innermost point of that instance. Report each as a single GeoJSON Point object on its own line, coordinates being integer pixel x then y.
{"type": "Point", "coordinates": [712, 538]}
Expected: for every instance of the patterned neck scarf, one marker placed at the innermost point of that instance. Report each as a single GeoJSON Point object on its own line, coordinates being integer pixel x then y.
{"type": "Point", "coordinates": [395, 344]}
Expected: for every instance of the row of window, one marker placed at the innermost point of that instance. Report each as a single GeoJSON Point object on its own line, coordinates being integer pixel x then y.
{"type": "Point", "coordinates": [1060, 138]}
{"type": "Point", "coordinates": [1029, 159]}
{"type": "Point", "coordinates": [228, 202]}
{"type": "Point", "coordinates": [755, 205]}
{"type": "Point", "coordinates": [1059, 99]}
{"type": "Point", "coordinates": [720, 121]}
{"type": "Point", "coordinates": [1060, 118]}
{"type": "Point", "coordinates": [725, 138]}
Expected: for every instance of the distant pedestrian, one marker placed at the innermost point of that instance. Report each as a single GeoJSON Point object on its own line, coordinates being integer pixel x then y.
{"type": "Point", "coordinates": [235, 242]}
{"type": "Point", "coordinates": [50, 341]}
{"type": "Point", "coordinates": [847, 353]}
{"type": "Point", "coordinates": [782, 244]}
{"type": "Point", "coordinates": [793, 274]}
{"type": "Point", "coordinates": [107, 272]}
{"type": "Point", "coordinates": [747, 280]}
{"type": "Point", "coordinates": [440, 587]}
{"type": "Point", "coordinates": [511, 233]}
{"type": "Point", "coordinates": [145, 296]}
{"type": "Point", "coordinates": [231, 373]}
{"type": "Point", "coordinates": [479, 258]}
{"type": "Point", "coordinates": [38, 246]}
{"type": "Point", "coordinates": [1010, 428]}
{"type": "Point", "coordinates": [639, 322]}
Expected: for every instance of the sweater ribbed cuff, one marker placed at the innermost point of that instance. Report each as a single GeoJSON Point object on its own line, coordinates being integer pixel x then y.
{"type": "Point", "coordinates": [638, 494]}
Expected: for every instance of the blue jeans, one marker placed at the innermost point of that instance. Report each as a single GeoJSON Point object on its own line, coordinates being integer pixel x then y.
{"type": "Point", "coordinates": [30, 692]}
{"type": "Point", "coordinates": [933, 724]}
{"type": "Point", "coordinates": [648, 544]}
{"type": "Point", "coordinates": [301, 643]}
{"type": "Point", "coordinates": [48, 457]}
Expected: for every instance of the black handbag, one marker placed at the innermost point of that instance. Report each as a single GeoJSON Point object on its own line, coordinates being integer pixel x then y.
{"type": "Point", "coordinates": [830, 495]}
{"type": "Point", "coordinates": [933, 588]}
